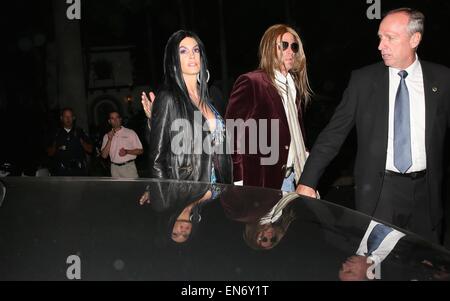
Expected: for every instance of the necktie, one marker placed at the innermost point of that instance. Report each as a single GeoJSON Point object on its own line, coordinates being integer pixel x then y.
{"type": "Point", "coordinates": [402, 127]}
{"type": "Point", "coordinates": [378, 234]}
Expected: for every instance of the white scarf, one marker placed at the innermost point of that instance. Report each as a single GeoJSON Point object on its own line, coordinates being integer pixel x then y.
{"type": "Point", "coordinates": [297, 149]}
{"type": "Point", "coordinates": [277, 211]}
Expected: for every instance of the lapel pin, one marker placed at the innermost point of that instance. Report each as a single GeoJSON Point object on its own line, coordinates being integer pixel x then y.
{"type": "Point", "coordinates": [434, 89]}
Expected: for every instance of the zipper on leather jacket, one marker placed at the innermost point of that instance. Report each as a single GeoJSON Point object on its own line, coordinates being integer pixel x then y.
{"type": "Point", "coordinates": [217, 168]}
{"type": "Point", "coordinates": [187, 168]}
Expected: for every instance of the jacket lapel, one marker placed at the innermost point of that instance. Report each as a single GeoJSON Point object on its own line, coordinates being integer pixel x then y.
{"type": "Point", "coordinates": [431, 90]}
{"type": "Point", "coordinates": [381, 98]}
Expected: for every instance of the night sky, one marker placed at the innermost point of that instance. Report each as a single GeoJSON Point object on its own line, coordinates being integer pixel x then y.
{"type": "Point", "coordinates": [337, 35]}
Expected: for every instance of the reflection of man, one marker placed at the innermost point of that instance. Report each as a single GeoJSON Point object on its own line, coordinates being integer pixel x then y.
{"type": "Point", "coordinates": [267, 231]}
{"type": "Point", "coordinates": [355, 268]}
{"type": "Point", "coordinates": [377, 243]}
{"type": "Point", "coordinates": [122, 145]}
{"type": "Point", "coordinates": [266, 214]}
{"type": "Point", "coordinates": [68, 148]}
{"type": "Point", "coordinates": [401, 113]}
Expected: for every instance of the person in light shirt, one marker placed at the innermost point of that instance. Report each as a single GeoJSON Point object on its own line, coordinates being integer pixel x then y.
{"type": "Point", "coordinates": [122, 146]}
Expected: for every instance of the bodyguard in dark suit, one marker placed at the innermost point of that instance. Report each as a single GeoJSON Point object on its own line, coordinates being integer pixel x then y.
{"type": "Point", "coordinates": [401, 113]}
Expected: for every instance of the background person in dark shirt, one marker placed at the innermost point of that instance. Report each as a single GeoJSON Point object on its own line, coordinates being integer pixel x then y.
{"type": "Point", "coordinates": [68, 147]}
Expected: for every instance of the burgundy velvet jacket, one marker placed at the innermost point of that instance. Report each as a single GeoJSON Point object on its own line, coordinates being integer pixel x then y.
{"type": "Point", "coordinates": [254, 97]}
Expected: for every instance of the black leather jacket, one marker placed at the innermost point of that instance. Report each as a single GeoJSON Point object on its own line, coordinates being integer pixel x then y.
{"type": "Point", "coordinates": [193, 163]}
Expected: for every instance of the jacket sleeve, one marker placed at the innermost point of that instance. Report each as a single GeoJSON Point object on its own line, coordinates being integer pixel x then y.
{"type": "Point", "coordinates": [332, 137]}
{"type": "Point", "coordinates": [240, 106]}
{"type": "Point", "coordinates": [159, 136]}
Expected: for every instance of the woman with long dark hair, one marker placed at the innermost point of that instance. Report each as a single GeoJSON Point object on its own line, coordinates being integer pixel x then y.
{"type": "Point", "coordinates": [179, 207]}
{"type": "Point", "coordinates": [187, 134]}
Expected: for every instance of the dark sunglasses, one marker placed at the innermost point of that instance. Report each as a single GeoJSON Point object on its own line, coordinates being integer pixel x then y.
{"type": "Point", "coordinates": [294, 46]}
{"type": "Point", "coordinates": [265, 239]}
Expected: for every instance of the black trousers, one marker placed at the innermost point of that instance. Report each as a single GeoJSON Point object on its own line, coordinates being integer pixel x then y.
{"type": "Point", "coordinates": [404, 203]}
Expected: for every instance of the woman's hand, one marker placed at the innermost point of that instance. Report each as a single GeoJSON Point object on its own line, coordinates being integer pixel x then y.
{"type": "Point", "coordinates": [147, 103]}
{"type": "Point", "coordinates": [145, 199]}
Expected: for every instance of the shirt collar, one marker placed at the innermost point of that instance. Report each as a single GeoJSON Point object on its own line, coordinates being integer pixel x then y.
{"type": "Point", "coordinates": [412, 69]}
{"type": "Point", "coordinates": [279, 77]}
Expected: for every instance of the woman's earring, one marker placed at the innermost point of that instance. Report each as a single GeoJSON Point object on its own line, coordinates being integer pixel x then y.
{"type": "Point", "coordinates": [195, 217]}
{"type": "Point", "coordinates": [207, 79]}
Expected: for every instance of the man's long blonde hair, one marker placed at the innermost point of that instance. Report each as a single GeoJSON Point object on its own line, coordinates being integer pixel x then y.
{"type": "Point", "coordinates": [269, 60]}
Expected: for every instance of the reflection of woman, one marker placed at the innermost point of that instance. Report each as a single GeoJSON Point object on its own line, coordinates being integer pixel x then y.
{"type": "Point", "coordinates": [183, 151]}
{"type": "Point", "coordinates": [179, 205]}
{"type": "Point", "coordinates": [182, 228]}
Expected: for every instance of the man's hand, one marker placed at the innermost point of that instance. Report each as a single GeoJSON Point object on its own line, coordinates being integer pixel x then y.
{"type": "Point", "coordinates": [147, 103]}
{"type": "Point", "coordinates": [111, 134]}
{"type": "Point", "coordinates": [355, 269]}
{"type": "Point", "coordinates": [123, 152]}
{"type": "Point", "coordinates": [306, 191]}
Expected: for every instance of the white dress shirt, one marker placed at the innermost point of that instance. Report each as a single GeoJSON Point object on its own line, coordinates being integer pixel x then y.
{"type": "Point", "coordinates": [414, 82]}
{"type": "Point", "coordinates": [384, 249]}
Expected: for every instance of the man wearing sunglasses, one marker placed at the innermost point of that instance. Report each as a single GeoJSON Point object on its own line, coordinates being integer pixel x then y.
{"type": "Point", "coordinates": [401, 110]}
{"type": "Point", "coordinates": [276, 91]}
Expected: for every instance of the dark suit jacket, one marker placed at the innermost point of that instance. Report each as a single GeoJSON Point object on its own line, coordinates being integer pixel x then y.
{"type": "Point", "coordinates": [254, 97]}
{"type": "Point", "coordinates": [365, 104]}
